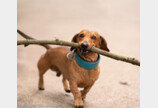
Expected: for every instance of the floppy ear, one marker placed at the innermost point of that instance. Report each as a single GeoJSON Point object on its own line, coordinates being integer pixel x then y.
{"type": "Point", "coordinates": [74, 39]}
{"type": "Point", "coordinates": [103, 44]}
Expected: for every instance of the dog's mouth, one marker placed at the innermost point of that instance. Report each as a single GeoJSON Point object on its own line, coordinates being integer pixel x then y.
{"type": "Point", "coordinates": [84, 48]}
{"type": "Point", "coordinates": [84, 51]}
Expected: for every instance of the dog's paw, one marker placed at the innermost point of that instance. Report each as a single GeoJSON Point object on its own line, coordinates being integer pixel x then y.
{"type": "Point", "coordinates": [40, 88]}
{"type": "Point", "coordinates": [68, 91]}
{"type": "Point", "coordinates": [80, 106]}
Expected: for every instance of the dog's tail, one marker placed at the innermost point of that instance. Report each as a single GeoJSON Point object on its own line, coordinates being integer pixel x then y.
{"type": "Point", "coordinates": [28, 37]}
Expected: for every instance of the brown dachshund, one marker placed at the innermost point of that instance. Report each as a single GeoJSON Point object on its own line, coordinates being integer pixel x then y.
{"type": "Point", "coordinates": [74, 75]}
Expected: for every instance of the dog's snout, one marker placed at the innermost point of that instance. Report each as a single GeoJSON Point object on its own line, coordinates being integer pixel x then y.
{"type": "Point", "coordinates": [84, 45]}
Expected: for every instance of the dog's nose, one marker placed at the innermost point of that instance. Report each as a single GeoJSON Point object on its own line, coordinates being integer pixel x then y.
{"type": "Point", "coordinates": [84, 45]}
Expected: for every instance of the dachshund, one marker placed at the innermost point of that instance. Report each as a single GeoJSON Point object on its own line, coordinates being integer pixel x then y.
{"type": "Point", "coordinates": [78, 67]}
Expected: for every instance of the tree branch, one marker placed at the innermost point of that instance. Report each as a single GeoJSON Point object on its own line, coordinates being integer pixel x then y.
{"type": "Point", "coordinates": [93, 49]}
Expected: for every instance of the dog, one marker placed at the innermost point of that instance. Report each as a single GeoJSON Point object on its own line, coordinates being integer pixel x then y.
{"type": "Point", "coordinates": [79, 70]}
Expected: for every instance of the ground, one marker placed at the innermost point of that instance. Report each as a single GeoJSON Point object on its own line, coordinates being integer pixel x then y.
{"type": "Point", "coordinates": [117, 21]}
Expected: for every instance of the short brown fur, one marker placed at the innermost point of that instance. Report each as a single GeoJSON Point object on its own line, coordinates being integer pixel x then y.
{"type": "Point", "coordinates": [74, 76]}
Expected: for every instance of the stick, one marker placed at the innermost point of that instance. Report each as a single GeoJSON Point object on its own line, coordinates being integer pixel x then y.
{"type": "Point", "coordinates": [76, 45]}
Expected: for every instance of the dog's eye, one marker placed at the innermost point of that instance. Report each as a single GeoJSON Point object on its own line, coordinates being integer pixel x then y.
{"type": "Point", "coordinates": [94, 37]}
{"type": "Point", "coordinates": [81, 35]}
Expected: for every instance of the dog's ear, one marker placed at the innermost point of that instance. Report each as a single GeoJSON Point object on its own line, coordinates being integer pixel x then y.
{"type": "Point", "coordinates": [103, 44]}
{"type": "Point", "coordinates": [74, 39]}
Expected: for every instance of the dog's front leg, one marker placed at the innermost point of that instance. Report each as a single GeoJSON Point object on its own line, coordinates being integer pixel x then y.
{"type": "Point", "coordinates": [77, 95]}
{"type": "Point", "coordinates": [85, 91]}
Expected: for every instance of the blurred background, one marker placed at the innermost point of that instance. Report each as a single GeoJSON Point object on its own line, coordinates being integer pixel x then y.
{"type": "Point", "coordinates": [116, 20]}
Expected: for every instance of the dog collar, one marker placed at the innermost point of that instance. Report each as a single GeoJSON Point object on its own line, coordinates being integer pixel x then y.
{"type": "Point", "coordinates": [86, 64]}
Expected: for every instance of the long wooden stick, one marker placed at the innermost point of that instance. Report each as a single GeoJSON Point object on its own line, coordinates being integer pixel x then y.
{"type": "Point", "coordinates": [65, 43]}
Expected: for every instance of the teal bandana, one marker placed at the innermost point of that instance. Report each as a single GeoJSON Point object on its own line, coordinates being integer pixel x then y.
{"type": "Point", "coordinates": [85, 64]}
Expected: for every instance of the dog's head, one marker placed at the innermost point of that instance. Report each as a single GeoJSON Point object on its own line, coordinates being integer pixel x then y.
{"type": "Point", "coordinates": [87, 39]}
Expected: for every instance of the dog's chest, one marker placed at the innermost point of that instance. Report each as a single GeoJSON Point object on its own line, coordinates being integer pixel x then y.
{"type": "Point", "coordinates": [87, 78]}
{"type": "Point", "coordinates": [84, 77]}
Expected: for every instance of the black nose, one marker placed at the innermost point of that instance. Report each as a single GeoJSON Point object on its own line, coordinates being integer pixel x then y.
{"type": "Point", "coordinates": [84, 45]}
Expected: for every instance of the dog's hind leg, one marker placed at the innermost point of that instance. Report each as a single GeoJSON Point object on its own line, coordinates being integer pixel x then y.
{"type": "Point", "coordinates": [66, 85]}
{"type": "Point", "coordinates": [43, 66]}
